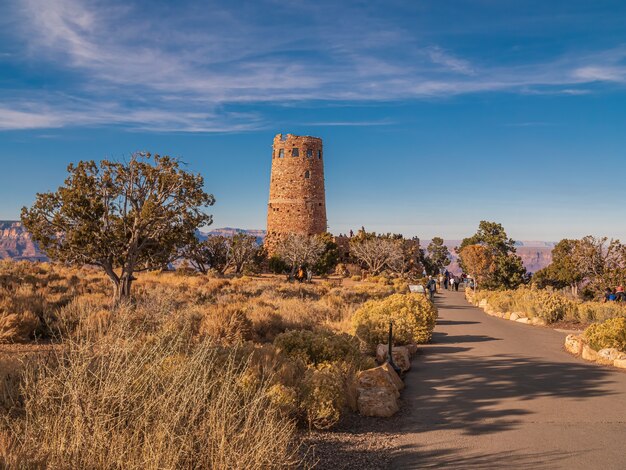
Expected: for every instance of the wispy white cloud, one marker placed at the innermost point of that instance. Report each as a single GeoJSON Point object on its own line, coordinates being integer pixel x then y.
{"type": "Point", "coordinates": [452, 63]}
{"type": "Point", "coordinates": [184, 68]}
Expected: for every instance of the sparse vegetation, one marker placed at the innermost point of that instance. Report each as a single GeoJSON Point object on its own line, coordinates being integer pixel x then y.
{"type": "Point", "coordinates": [551, 306]}
{"type": "Point", "coordinates": [245, 359]}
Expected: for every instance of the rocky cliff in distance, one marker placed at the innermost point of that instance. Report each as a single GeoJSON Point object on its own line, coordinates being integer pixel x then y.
{"type": "Point", "coordinates": [16, 243]}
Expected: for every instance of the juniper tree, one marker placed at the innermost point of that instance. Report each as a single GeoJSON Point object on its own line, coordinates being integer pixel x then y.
{"type": "Point", "coordinates": [123, 217]}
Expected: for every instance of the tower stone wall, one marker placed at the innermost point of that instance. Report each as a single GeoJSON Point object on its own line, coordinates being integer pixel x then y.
{"type": "Point", "coordinates": [297, 202]}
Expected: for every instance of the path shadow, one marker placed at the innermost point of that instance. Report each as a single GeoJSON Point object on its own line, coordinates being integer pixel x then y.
{"type": "Point", "coordinates": [444, 338]}
{"type": "Point", "coordinates": [486, 395]}
{"type": "Point", "coordinates": [460, 459]}
{"type": "Point", "coordinates": [456, 322]}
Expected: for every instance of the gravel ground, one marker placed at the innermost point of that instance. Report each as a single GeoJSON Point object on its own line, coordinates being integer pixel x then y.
{"type": "Point", "coordinates": [357, 443]}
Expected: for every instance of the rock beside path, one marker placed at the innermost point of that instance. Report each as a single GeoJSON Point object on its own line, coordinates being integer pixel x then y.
{"type": "Point", "coordinates": [401, 356]}
{"type": "Point", "coordinates": [378, 391]}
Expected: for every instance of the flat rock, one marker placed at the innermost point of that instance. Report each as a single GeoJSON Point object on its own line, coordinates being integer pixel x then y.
{"type": "Point", "coordinates": [524, 320]}
{"type": "Point", "coordinates": [621, 363]}
{"type": "Point", "coordinates": [514, 316]}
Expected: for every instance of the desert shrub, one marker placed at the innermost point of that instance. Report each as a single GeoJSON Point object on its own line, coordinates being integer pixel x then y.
{"type": "Point", "coordinates": [600, 311]}
{"type": "Point", "coordinates": [342, 270]}
{"type": "Point", "coordinates": [400, 285]}
{"type": "Point", "coordinates": [609, 334]}
{"type": "Point", "coordinates": [322, 395]}
{"type": "Point", "coordinates": [277, 265]}
{"type": "Point", "coordinates": [532, 302]}
{"type": "Point", "coordinates": [143, 405]}
{"type": "Point", "coordinates": [17, 327]}
{"type": "Point", "coordinates": [356, 278]}
{"type": "Point", "coordinates": [413, 317]}
{"type": "Point", "coordinates": [317, 347]}
{"type": "Point", "coordinates": [226, 324]}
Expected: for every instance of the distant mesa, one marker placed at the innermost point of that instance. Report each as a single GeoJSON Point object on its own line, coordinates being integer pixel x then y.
{"type": "Point", "coordinates": [230, 231]}
{"type": "Point", "coordinates": [16, 243]}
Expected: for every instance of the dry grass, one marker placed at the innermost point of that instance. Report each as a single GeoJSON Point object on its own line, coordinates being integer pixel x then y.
{"type": "Point", "coordinates": [165, 403]}
{"type": "Point", "coordinates": [186, 375]}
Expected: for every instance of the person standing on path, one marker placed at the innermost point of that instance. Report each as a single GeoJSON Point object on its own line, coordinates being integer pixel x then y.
{"type": "Point", "coordinates": [452, 282]}
{"type": "Point", "coordinates": [432, 287]}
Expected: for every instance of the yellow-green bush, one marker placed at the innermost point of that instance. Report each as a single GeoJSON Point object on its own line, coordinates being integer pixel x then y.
{"type": "Point", "coordinates": [317, 347]}
{"type": "Point", "coordinates": [550, 306]}
{"type": "Point", "coordinates": [413, 318]}
{"type": "Point", "coordinates": [323, 395]}
{"type": "Point", "coordinates": [608, 334]}
{"type": "Point", "coordinates": [599, 311]}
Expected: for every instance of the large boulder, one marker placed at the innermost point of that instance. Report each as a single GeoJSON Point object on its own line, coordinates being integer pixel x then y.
{"type": "Point", "coordinates": [378, 391]}
{"type": "Point", "coordinates": [395, 378]}
{"type": "Point", "coordinates": [401, 356]}
{"type": "Point", "coordinates": [574, 344]}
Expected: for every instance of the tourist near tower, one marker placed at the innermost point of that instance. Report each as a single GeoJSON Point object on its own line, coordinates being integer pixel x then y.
{"type": "Point", "coordinates": [297, 201]}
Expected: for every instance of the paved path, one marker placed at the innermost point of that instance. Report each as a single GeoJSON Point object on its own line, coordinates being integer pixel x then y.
{"type": "Point", "coordinates": [490, 393]}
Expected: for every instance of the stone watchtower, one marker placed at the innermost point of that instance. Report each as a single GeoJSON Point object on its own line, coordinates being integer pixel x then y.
{"type": "Point", "coordinates": [297, 197]}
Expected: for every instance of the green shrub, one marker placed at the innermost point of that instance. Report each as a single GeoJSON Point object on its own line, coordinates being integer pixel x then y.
{"type": "Point", "coordinates": [600, 311]}
{"type": "Point", "coordinates": [532, 302]}
{"type": "Point", "coordinates": [277, 266]}
{"type": "Point", "coordinates": [413, 318]}
{"type": "Point", "coordinates": [318, 347]}
{"type": "Point", "coordinates": [608, 334]}
{"type": "Point", "coordinates": [322, 395]}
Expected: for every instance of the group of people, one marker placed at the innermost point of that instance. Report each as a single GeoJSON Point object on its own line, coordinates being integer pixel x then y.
{"type": "Point", "coordinates": [615, 295]}
{"type": "Point", "coordinates": [446, 281]}
{"type": "Point", "coordinates": [303, 274]}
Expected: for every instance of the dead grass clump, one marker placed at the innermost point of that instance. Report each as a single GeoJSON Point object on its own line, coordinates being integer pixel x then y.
{"type": "Point", "coordinates": [136, 405]}
{"type": "Point", "coordinates": [17, 327]}
{"type": "Point", "coordinates": [226, 324]}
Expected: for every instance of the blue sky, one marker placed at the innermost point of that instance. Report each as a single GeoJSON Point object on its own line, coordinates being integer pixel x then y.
{"type": "Point", "coordinates": [434, 114]}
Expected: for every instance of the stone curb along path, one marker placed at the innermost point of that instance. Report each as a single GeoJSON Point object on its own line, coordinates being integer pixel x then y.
{"type": "Point", "coordinates": [378, 389]}
{"type": "Point", "coordinates": [578, 346]}
{"type": "Point", "coordinates": [574, 344]}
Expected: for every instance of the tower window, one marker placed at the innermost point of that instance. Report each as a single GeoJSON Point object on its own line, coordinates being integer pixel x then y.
{"type": "Point", "coordinates": [309, 153]}
{"type": "Point", "coordinates": [281, 153]}
{"type": "Point", "coordinates": [295, 152]}
{"type": "Point", "coordinates": [307, 174]}
{"type": "Point", "coordinates": [319, 154]}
